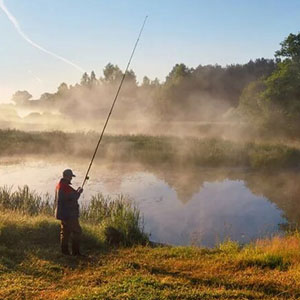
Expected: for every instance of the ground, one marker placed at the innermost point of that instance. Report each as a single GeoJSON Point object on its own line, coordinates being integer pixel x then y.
{"type": "Point", "coordinates": [31, 267]}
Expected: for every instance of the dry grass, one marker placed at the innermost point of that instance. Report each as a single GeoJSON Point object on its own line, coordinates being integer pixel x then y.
{"type": "Point", "coordinates": [31, 267]}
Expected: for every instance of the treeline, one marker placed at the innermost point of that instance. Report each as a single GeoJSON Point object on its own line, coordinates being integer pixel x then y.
{"type": "Point", "coordinates": [264, 93]}
{"type": "Point", "coordinates": [273, 103]}
{"type": "Point", "coordinates": [207, 92]}
{"type": "Point", "coordinates": [199, 94]}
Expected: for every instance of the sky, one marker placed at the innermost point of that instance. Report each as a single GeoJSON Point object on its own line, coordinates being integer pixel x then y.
{"type": "Point", "coordinates": [47, 42]}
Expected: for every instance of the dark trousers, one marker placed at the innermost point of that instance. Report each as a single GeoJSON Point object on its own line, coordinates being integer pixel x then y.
{"type": "Point", "coordinates": [70, 228]}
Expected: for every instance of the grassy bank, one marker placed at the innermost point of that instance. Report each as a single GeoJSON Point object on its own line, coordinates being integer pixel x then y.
{"type": "Point", "coordinates": [152, 149]}
{"type": "Point", "coordinates": [115, 221]}
{"type": "Point", "coordinates": [31, 266]}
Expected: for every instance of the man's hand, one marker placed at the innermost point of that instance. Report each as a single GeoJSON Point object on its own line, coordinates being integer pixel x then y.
{"type": "Point", "coordinates": [80, 190]}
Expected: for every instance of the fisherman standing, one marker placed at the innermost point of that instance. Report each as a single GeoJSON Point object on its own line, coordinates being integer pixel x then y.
{"type": "Point", "coordinates": [67, 210]}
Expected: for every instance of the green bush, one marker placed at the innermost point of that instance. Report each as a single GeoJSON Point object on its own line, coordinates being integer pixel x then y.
{"type": "Point", "coordinates": [119, 214]}
{"type": "Point", "coordinates": [103, 212]}
{"type": "Point", "coordinates": [25, 201]}
{"type": "Point", "coordinates": [265, 260]}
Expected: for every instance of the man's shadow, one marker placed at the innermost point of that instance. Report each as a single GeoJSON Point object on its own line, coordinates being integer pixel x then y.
{"type": "Point", "coordinates": [24, 242]}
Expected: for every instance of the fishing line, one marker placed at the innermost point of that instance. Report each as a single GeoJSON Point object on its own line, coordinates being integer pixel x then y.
{"type": "Point", "coordinates": [113, 104]}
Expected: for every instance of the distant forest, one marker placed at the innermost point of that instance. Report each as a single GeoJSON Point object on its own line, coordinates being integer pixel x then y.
{"type": "Point", "coordinates": [264, 92]}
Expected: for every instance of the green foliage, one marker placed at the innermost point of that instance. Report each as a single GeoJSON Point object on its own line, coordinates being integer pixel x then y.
{"type": "Point", "coordinates": [25, 201]}
{"type": "Point", "coordinates": [283, 87]}
{"type": "Point", "coordinates": [265, 260]}
{"type": "Point", "coordinates": [270, 156]}
{"type": "Point", "coordinates": [153, 150]}
{"type": "Point", "coordinates": [19, 142]}
{"type": "Point", "coordinates": [230, 247]}
{"type": "Point", "coordinates": [177, 74]}
{"type": "Point", "coordinates": [103, 212]}
{"type": "Point", "coordinates": [273, 103]}
{"type": "Point", "coordinates": [185, 94]}
{"type": "Point", "coordinates": [290, 47]}
{"type": "Point", "coordinates": [206, 92]}
{"type": "Point", "coordinates": [119, 214]}
{"type": "Point", "coordinates": [251, 103]}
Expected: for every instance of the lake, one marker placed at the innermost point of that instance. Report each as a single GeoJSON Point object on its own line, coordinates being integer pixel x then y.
{"type": "Point", "coordinates": [196, 206]}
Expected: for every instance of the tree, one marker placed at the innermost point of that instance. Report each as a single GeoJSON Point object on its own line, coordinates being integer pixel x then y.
{"type": "Point", "coordinates": [178, 72]}
{"type": "Point", "coordinates": [112, 73]}
{"type": "Point", "coordinates": [85, 80]}
{"type": "Point", "coordinates": [176, 88]}
{"type": "Point", "coordinates": [155, 82]}
{"type": "Point", "coordinates": [46, 96]}
{"type": "Point", "coordinates": [251, 103]}
{"type": "Point", "coordinates": [290, 48]}
{"type": "Point", "coordinates": [283, 86]}
{"type": "Point", "coordinates": [62, 89]}
{"type": "Point", "coordinates": [21, 97]}
{"type": "Point", "coordinates": [279, 93]}
{"type": "Point", "coordinates": [131, 78]}
{"type": "Point", "coordinates": [93, 79]}
{"type": "Point", "coordinates": [146, 82]}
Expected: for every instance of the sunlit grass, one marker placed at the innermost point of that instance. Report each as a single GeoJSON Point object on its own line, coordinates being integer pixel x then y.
{"type": "Point", "coordinates": [107, 216]}
{"type": "Point", "coordinates": [31, 266]}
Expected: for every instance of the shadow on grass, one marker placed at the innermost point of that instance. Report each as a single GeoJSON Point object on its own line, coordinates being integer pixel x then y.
{"type": "Point", "coordinates": [29, 242]}
{"type": "Point", "coordinates": [227, 282]}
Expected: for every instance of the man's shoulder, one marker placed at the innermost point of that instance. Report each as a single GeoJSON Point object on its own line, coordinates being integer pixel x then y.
{"type": "Point", "coordinates": [64, 186]}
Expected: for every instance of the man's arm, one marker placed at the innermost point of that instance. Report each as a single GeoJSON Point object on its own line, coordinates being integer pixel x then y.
{"type": "Point", "coordinates": [75, 194]}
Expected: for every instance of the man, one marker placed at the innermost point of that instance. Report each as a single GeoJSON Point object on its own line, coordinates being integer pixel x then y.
{"type": "Point", "coordinates": [67, 210]}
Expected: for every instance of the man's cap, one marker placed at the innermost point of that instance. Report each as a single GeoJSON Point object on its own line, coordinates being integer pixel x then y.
{"type": "Point", "coordinates": [68, 172]}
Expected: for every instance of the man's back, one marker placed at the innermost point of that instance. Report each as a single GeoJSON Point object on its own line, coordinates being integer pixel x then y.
{"type": "Point", "coordinates": [66, 201]}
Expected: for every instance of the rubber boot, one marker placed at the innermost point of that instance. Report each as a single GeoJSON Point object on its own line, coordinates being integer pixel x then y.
{"type": "Point", "coordinates": [76, 248]}
{"type": "Point", "coordinates": [65, 249]}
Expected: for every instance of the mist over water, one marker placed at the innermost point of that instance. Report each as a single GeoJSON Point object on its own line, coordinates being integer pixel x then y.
{"type": "Point", "coordinates": [198, 101]}
{"type": "Point", "coordinates": [215, 206]}
{"type": "Point", "coordinates": [213, 109]}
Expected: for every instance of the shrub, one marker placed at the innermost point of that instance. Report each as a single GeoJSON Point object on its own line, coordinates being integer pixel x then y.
{"type": "Point", "coordinates": [117, 215]}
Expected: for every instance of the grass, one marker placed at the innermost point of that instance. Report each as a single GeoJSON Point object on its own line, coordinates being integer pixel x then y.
{"type": "Point", "coordinates": [152, 150]}
{"type": "Point", "coordinates": [31, 266]}
{"type": "Point", "coordinates": [105, 216]}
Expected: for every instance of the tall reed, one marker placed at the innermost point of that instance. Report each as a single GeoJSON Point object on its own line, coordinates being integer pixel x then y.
{"type": "Point", "coordinates": [118, 216]}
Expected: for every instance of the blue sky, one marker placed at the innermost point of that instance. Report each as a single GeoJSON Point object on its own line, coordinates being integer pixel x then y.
{"type": "Point", "coordinates": [92, 33]}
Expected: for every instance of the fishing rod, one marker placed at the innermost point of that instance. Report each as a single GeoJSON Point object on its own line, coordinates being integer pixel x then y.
{"type": "Point", "coordinates": [113, 104]}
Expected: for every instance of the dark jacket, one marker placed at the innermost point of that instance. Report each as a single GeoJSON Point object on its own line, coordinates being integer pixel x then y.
{"type": "Point", "coordinates": [66, 201]}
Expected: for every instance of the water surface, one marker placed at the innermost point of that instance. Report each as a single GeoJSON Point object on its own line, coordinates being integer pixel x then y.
{"type": "Point", "coordinates": [180, 207]}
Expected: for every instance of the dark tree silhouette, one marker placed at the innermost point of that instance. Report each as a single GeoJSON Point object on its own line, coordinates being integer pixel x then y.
{"type": "Point", "coordinates": [21, 97]}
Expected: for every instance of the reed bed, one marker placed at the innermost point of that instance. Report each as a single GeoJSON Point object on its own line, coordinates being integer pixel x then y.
{"type": "Point", "coordinates": [118, 219]}
{"type": "Point", "coordinates": [147, 149]}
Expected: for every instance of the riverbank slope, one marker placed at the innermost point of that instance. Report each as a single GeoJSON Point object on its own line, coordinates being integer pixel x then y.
{"type": "Point", "coordinates": [31, 267]}
{"type": "Point", "coordinates": [152, 150]}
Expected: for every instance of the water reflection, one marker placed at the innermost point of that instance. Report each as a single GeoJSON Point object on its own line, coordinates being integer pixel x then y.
{"type": "Point", "coordinates": [190, 206]}
{"type": "Point", "coordinates": [218, 211]}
